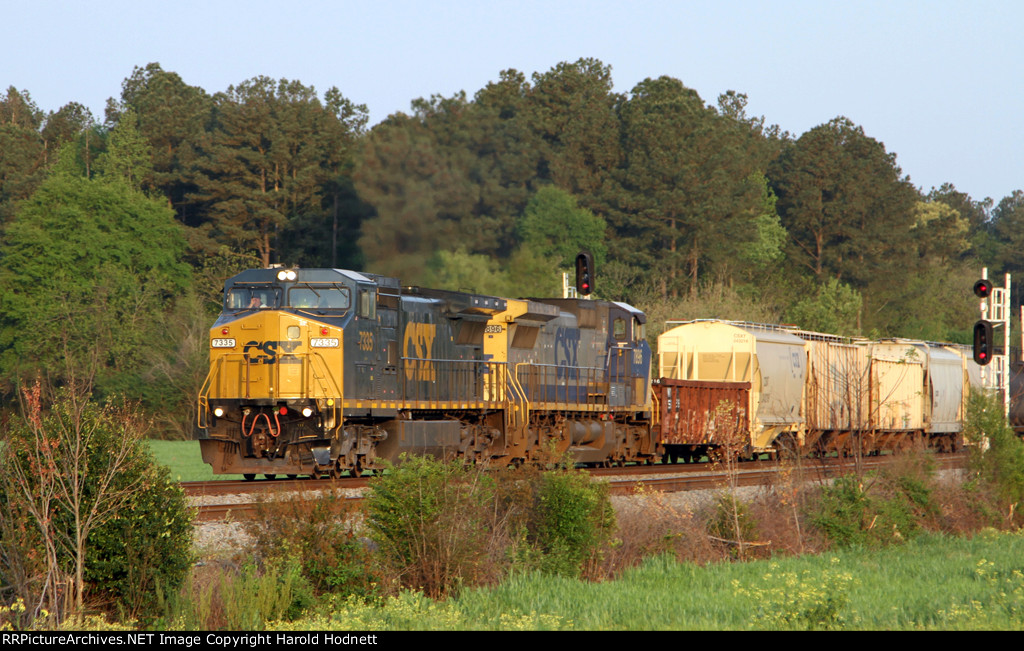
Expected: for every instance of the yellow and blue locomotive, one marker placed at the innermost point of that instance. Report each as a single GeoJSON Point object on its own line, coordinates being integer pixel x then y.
{"type": "Point", "coordinates": [317, 371]}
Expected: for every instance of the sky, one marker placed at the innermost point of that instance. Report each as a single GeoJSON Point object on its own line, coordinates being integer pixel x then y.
{"type": "Point", "coordinates": [939, 82]}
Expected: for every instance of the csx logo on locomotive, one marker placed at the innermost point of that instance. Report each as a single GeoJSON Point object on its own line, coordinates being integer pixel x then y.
{"type": "Point", "coordinates": [271, 350]}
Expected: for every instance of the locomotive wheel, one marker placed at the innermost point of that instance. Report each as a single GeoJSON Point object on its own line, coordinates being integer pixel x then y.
{"type": "Point", "coordinates": [249, 476]}
{"type": "Point", "coordinates": [270, 476]}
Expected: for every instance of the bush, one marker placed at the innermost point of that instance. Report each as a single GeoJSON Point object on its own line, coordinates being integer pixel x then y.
{"type": "Point", "coordinates": [888, 511]}
{"type": "Point", "coordinates": [86, 509]}
{"type": "Point", "coordinates": [435, 524]}
{"type": "Point", "coordinates": [237, 598]}
{"type": "Point", "coordinates": [573, 522]}
{"type": "Point", "coordinates": [732, 522]}
{"type": "Point", "coordinates": [441, 526]}
{"type": "Point", "coordinates": [997, 455]}
{"type": "Point", "coordinates": [318, 531]}
{"type": "Point", "coordinates": [145, 549]}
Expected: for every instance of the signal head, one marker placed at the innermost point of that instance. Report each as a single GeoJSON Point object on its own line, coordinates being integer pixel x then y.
{"type": "Point", "coordinates": [584, 273]}
{"type": "Point", "coordinates": [983, 288]}
{"type": "Point", "coordinates": [983, 342]}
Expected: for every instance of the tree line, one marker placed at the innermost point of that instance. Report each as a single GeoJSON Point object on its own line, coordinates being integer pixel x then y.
{"type": "Point", "coordinates": [116, 234]}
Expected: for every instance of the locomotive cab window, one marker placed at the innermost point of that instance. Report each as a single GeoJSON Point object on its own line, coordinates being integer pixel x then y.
{"type": "Point", "coordinates": [619, 330]}
{"type": "Point", "coordinates": [367, 304]}
{"type": "Point", "coordinates": [244, 298]}
{"type": "Point", "coordinates": [319, 297]}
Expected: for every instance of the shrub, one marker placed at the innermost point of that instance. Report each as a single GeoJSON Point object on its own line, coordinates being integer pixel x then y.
{"type": "Point", "coordinates": [997, 455]}
{"type": "Point", "coordinates": [145, 548]}
{"type": "Point", "coordinates": [317, 530]}
{"type": "Point", "coordinates": [888, 510]}
{"type": "Point", "coordinates": [573, 521]}
{"type": "Point", "coordinates": [86, 509]}
{"type": "Point", "coordinates": [225, 596]}
{"type": "Point", "coordinates": [434, 523]}
{"type": "Point", "coordinates": [731, 521]}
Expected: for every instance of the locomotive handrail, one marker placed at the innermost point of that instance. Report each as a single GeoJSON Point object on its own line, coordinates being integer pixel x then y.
{"type": "Point", "coordinates": [517, 410]}
{"type": "Point", "coordinates": [552, 384]}
{"type": "Point", "coordinates": [204, 402]}
{"type": "Point", "coordinates": [328, 391]}
{"type": "Point", "coordinates": [419, 378]}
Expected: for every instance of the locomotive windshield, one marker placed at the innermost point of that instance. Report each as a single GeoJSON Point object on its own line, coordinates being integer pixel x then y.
{"type": "Point", "coordinates": [320, 297]}
{"type": "Point", "coordinates": [245, 297]}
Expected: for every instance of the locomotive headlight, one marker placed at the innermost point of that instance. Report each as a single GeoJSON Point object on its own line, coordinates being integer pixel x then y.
{"type": "Point", "coordinates": [218, 411]}
{"type": "Point", "coordinates": [222, 343]}
{"type": "Point", "coordinates": [307, 411]}
{"type": "Point", "coordinates": [287, 274]}
{"type": "Point", "coordinates": [323, 342]}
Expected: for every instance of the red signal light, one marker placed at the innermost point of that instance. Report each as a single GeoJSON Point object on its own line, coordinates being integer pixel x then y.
{"type": "Point", "coordinates": [584, 273]}
{"type": "Point", "coordinates": [983, 288]}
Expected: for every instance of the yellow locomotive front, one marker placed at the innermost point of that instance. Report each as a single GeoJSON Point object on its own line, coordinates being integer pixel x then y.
{"type": "Point", "coordinates": [273, 396]}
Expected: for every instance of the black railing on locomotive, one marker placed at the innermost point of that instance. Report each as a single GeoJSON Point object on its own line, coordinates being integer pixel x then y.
{"type": "Point", "coordinates": [563, 384]}
{"type": "Point", "coordinates": [434, 380]}
{"type": "Point", "coordinates": [476, 380]}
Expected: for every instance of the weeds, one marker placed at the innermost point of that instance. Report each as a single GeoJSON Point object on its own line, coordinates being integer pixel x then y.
{"type": "Point", "coordinates": [806, 600]}
{"type": "Point", "coordinates": [319, 530]}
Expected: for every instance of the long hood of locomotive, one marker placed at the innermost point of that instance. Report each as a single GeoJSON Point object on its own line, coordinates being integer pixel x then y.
{"type": "Point", "coordinates": [271, 356]}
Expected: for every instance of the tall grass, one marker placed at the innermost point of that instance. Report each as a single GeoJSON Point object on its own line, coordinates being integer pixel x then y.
{"type": "Point", "coordinates": [930, 583]}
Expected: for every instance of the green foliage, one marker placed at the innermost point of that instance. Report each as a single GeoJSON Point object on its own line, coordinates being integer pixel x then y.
{"type": "Point", "coordinates": [572, 523]}
{"type": "Point", "coordinates": [441, 526]}
{"type": "Point", "coordinates": [87, 504]}
{"type": "Point", "coordinates": [128, 157]}
{"type": "Point", "coordinates": [809, 600]}
{"type": "Point", "coordinates": [731, 520]}
{"type": "Point", "coordinates": [834, 308]}
{"type": "Point", "coordinates": [770, 239]}
{"type": "Point", "coordinates": [458, 270]}
{"type": "Point", "coordinates": [318, 532]}
{"type": "Point", "coordinates": [88, 269]}
{"type": "Point", "coordinates": [554, 226]}
{"type": "Point", "coordinates": [848, 210]}
{"type": "Point", "coordinates": [273, 148]}
{"type": "Point", "coordinates": [535, 275]}
{"type": "Point", "coordinates": [933, 583]}
{"type": "Point", "coordinates": [433, 523]}
{"type": "Point", "coordinates": [242, 598]}
{"type": "Point", "coordinates": [887, 511]}
{"type": "Point", "coordinates": [146, 548]}
{"type": "Point", "coordinates": [997, 454]}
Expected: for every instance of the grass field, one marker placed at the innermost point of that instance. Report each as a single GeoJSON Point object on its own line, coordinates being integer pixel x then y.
{"type": "Point", "coordinates": [935, 583]}
{"type": "Point", "coordinates": [184, 460]}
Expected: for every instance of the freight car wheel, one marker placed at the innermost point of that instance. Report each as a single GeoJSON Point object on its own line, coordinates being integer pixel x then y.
{"type": "Point", "coordinates": [249, 476]}
{"type": "Point", "coordinates": [270, 476]}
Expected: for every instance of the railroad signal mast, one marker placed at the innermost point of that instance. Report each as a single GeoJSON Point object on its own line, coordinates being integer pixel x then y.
{"type": "Point", "coordinates": [995, 313]}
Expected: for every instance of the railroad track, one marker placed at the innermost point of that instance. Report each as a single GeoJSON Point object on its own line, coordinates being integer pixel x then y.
{"type": "Point", "coordinates": [623, 481]}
